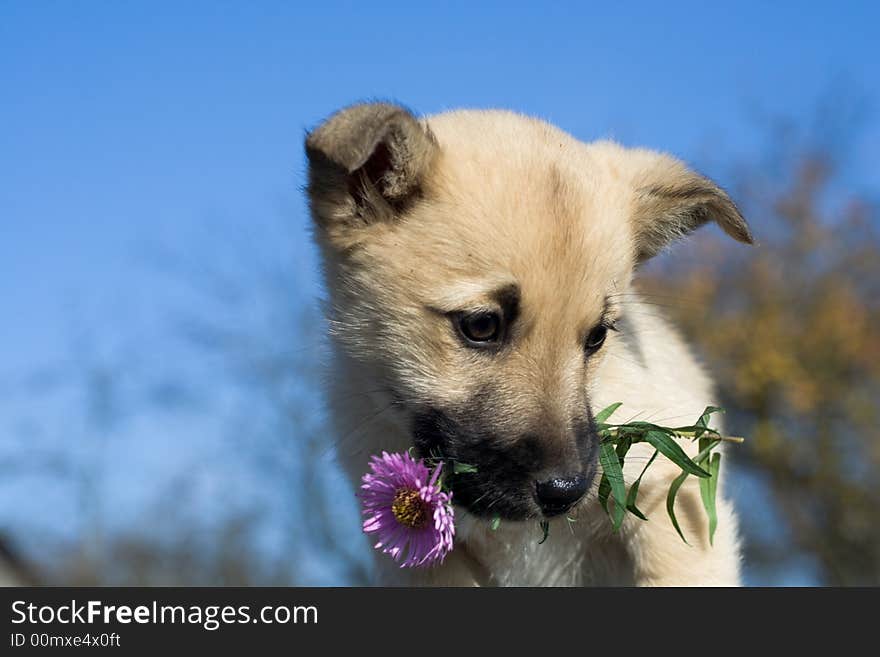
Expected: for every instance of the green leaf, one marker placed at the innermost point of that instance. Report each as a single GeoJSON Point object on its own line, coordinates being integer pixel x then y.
{"type": "Point", "coordinates": [703, 422]}
{"type": "Point", "coordinates": [708, 489]}
{"type": "Point", "coordinates": [617, 515]}
{"type": "Point", "coordinates": [706, 450]}
{"type": "Point", "coordinates": [606, 412]}
{"type": "Point", "coordinates": [704, 419]}
{"type": "Point", "coordinates": [496, 522]}
{"type": "Point", "coordinates": [463, 468]}
{"type": "Point", "coordinates": [671, 450]}
{"type": "Point", "coordinates": [631, 501]}
{"type": "Point", "coordinates": [622, 448]}
{"type": "Point", "coordinates": [633, 493]}
{"type": "Point", "coordinates": [610, 461]}
{"type": "Point", "coordinates": [604, 492]}
{"type": "Point", "coordinates": [670, 502]}
{"type": "Point", "coordinates": [676, 484]}
{"type": "Point", "coordinates": [545, 527]}
{"type": "Point", "coordinates": [709, 486]}
{"type": "Point", "coordinates": [638, 425]}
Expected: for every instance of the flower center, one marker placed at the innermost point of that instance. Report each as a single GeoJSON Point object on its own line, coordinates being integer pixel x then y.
{"type": "Point", "coordinates": [409, 508]}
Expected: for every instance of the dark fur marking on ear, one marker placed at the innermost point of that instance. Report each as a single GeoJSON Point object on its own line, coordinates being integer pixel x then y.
{"type": "Point", "coordinates": [668, 211]}
{"type": "Point", "coordinates": [367, 164]}
{"type": "Point", "coordinates": [689, 192]}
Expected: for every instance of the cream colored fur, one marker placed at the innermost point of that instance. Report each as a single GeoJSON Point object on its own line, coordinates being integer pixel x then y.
{"type": "Point", "coordinates": [505, 198]}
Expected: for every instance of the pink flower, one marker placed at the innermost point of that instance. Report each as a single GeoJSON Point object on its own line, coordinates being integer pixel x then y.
{"type": "Point", "coordinates": [406, 510]}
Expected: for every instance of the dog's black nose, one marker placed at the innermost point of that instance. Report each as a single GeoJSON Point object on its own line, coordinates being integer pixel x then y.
{"type": "Point", "coordinates": [559, 494]}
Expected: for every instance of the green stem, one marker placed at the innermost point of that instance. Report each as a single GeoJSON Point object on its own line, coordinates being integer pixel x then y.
{"type": "Point", "coordinates": [612, 432]}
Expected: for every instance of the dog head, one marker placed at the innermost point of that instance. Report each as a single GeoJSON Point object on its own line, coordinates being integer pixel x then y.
{"type": "Point", "coordinates": [475, 263]}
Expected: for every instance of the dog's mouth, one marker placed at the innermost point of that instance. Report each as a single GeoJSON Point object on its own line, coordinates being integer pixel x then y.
{"type": "Point", "coordinates": [497, 478]}
{"type": "Point", "coordinates": [485, 496]}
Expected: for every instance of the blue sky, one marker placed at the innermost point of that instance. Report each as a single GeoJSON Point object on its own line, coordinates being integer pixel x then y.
{"type": "Point", "coordinates": [133, 123]}
{"type": "Point", "coordinates": [131, 127]}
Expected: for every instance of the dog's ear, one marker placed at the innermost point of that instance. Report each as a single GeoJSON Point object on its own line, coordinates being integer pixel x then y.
{"type": "Point", "coordinates": [366, 162]}
{"type": "Point", "coordinates": [671, 201]}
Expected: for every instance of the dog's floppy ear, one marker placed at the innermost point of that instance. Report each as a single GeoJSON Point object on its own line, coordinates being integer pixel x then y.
{"type": "Point", "coordinates": [672, 201]}
{"type": "Point", "coordinates": [366, 162]}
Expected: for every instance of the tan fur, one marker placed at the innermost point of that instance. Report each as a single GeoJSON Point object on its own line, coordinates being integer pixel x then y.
{"type": "Point", "coordinates": [472, 201]}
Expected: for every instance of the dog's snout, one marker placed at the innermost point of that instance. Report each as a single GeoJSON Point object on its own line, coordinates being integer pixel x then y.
{"type": "Point", "coordinates": [559, 494]}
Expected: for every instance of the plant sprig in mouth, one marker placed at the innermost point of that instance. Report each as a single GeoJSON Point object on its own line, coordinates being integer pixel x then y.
{"type": "Point", "coordinates": [617, 439]}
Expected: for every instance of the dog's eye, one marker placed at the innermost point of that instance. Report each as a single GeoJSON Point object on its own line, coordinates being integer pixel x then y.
{"type": "Point", "coordinates": [595, 339]}
{"type": "Point", "coordinates": [480, 327]}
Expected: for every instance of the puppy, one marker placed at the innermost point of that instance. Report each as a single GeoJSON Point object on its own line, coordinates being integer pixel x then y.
{"type": "Point", "coordinates": [479, 267]}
